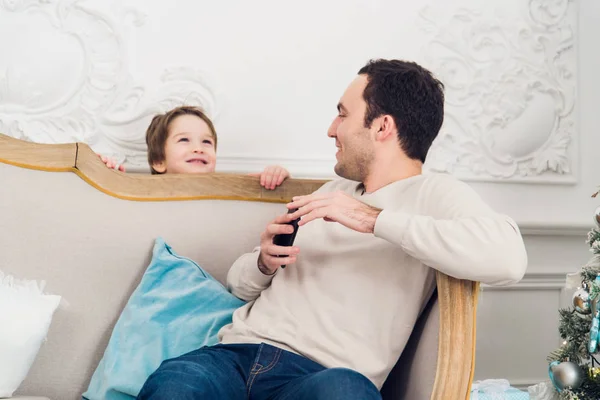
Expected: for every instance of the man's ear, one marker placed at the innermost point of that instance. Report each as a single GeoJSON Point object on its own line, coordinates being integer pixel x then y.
{"type": "Point", "coordinates": [387, 128]}
{"type": "Point", "coordinates": [160, 167]}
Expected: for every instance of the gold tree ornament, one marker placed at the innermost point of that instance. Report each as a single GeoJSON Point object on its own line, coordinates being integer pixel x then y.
{"type": "Point", "coordinates": [594, 373]}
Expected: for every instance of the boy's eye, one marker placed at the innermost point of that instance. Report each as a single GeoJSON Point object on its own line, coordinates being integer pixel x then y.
{"type": "Point", "coordinates": [207, 141]}
{"type": "Point", "coordinates": [183, 139]}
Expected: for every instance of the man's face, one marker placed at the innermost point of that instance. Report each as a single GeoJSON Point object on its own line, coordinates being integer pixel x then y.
{"type": "Point", "coordinates": [190, 147]}
{"type": "Point", "coordinates": [353, 140]}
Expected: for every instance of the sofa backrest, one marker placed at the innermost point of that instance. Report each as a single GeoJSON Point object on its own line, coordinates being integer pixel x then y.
{"type": "Point", "coordinates": [92, 247]}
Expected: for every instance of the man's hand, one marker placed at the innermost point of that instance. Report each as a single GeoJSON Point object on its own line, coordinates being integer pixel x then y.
{"type": "Point", "coordinates": [335, 207]}
{"type": "Point", "coordinates": [272, 176]}
{"type": "Point", "coordinates": [268, 262]}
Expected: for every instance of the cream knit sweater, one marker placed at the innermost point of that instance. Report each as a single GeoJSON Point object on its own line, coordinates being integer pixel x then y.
{"type": "Point", "coordinates": [351, 299]}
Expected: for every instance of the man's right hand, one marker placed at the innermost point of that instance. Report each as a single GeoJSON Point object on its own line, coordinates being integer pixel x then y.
{"type": "Point", "coordinates": [268, 262]}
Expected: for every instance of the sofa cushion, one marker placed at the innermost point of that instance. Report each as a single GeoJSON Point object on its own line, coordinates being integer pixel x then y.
{"type": "Point", "coordinates": [25, 316]}
{"type": "Point", "coordinates": [176, 308]}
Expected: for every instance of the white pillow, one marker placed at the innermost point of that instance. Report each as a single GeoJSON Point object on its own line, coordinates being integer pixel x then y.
{"type": "Point", "coordinates": [25, 316]}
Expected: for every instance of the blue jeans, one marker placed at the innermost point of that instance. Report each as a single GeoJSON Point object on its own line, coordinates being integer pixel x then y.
{"type": "Point", "coordinates": [253, 372]}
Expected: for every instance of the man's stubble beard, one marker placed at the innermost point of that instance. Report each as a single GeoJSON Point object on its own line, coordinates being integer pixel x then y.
{"type": "Point", "coordinates": [356, 169]}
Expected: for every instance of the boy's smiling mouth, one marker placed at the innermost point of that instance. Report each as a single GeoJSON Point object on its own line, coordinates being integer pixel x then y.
{"type": "Point", "coordinates": [197, 161]}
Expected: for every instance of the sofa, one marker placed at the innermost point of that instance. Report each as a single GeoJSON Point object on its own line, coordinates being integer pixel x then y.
{"type": "Point", "coordinates": [88, 231]}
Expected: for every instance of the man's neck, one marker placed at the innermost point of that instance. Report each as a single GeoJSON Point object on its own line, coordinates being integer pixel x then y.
{"type": "Point", "coordinates": [382, 174]}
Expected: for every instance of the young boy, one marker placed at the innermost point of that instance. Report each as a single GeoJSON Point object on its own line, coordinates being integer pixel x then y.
{"type": "Point", "coordinates": [184, 141]}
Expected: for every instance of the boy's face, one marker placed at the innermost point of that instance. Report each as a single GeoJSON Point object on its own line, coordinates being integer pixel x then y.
{"type": "Point", "coordinates": [189, 149]}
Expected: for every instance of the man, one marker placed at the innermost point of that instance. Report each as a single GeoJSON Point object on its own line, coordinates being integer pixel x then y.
{"type": "Point", "coordinates": [334, 322]}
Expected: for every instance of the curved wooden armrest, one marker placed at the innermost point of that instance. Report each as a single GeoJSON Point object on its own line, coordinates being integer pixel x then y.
{"type": "Point", "coordinates": [456, 347]}
{"type": "Point", "coordinates": [80, 159]}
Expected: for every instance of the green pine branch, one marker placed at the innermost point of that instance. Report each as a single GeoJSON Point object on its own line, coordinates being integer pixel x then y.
{"type": "Point", "coordinates": [574, 329]}
{"type": "Point", "coordinates": [590, 271]}
{"type": "Point", "coordinates": [593, 240]}
{"type": "Point", "coordinates": [589, 390]}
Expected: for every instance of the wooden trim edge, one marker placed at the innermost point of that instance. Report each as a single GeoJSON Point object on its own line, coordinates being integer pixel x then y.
{"type": "Point", "coordinates": [456, 346]}
{"type": "Point", "coordinates": [42, 157]}
{"type": "Point", "coordinates": [80, 159]}
{"type": "Point", "coordinates": [474, 344]}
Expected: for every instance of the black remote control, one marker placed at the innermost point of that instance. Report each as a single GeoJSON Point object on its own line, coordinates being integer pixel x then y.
{"type": "Point", "coordinates": [287, 239]}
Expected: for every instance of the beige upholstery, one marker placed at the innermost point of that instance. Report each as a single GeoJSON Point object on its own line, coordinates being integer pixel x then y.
{"type": "Point", "coordinates": [92, 249]}
{"type": "Point", "coordinates": [28, 398]}
{"type": "Point", "coordinates": [420, 354]}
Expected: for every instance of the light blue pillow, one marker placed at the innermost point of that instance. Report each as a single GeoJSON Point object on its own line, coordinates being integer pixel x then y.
{"type": "Point", "coordinates": [176, 308]}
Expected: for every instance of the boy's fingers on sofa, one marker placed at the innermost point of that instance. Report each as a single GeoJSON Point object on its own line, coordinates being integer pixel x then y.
{"type": "Point", "coordinates": [111, 163]}
{"type": "Point", "coordinates": [282, 175]}
{"type": "Point", "coordinates": [104, 159]}
{"type": "Point", "coordinates": [275, 180]}
{"type": "Point", "coordinates": [266, 177]}
{"type": "Point", "coordinates": [270, 180]}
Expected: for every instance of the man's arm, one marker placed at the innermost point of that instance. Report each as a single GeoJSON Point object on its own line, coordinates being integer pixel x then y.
{"type": "Point", "coordinates": [463, 237]}
{"type": "Point", "coordinates": [245, 280]}
{"type": "Point", "coordinates": [465, 240]}
{"type": "Point", "coordinates": [487, 249]}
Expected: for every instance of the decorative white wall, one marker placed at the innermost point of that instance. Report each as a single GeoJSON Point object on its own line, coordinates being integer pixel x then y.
{"type": "Point", "coordinates": [522, 94]}
{"type": "Point", "coordinates": [511, 77]}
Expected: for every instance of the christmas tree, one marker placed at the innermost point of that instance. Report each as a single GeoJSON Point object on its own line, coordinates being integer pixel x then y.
{"type": "Point", "coordinates": [574, 367]}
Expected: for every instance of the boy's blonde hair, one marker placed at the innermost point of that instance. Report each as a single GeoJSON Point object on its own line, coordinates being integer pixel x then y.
{"type": "Point", "coordinates": [158, 132]}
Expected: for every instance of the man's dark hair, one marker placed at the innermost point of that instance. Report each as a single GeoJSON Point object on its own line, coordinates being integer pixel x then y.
{"type": "Point", "coordinates": [412, 96]}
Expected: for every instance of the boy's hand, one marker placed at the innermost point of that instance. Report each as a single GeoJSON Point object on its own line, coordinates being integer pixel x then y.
{"type": "Point", "coordinates": [111, 163]}
{"type": "Point", "coordinates": [272, 176]}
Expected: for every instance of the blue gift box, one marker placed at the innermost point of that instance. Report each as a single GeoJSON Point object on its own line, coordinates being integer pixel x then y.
{"type": "Point", "coordinates": [496, 389]}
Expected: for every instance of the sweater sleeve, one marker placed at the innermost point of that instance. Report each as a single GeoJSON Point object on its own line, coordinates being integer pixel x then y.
{"type": "Point", "coordinates": [460, 235]}
{"type": "Point", "coordinates": [244, 279]}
